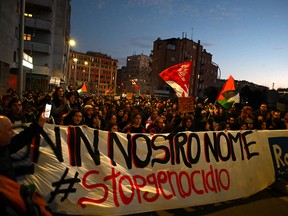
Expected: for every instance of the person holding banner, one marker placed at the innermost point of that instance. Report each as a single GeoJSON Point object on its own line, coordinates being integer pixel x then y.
{"type": "Point", "coordinates": [16, 199]}
{"type": "Point", "coordinates": [186, 124]}
{"type": "Point", "coordinates": [135, 126]}
{"type": "Point", "coordinates": [10, 144]}
{"type": "Point", "coordinates": [74, 118]}
{"type": "Point", "coordinates": [158, 125]}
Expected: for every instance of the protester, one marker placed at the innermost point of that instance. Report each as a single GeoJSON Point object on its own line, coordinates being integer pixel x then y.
{"type": "Point", "coordinates": [153, 115]}
{"type": "Point", "coordinates": [16, 113]}
{"type": "Point", "coordinates": [246, 112]}
{"type": "Point", "coordinates": [135, 126]}
{"type": "Point", "coordinates": [119, 114]}
{"type": "Point", "coordinates": [71, 89]}
{"type": "Point", "coordinates": [249, 124]}
{"type": "Point", "coordinates": [111, 121]}
{"type": "Point", "coordinates": [285, 120]}
{"type": "Point", "coordinates": [88, 115]}
{"type": "Point", "coordinates": [23, 202]}
{"type": "Point", "coordinates": [4, 109]}
{"type": "Point", "coordinates": [171, 122]}
{"type": "Point", "coordinates": [60, 106]}
{"type": "Point", "coordinates": [231, 122]}
{"type": "Point", "coordinates": [123, 122]}
{"type": "Point", "coordinates": [30, 113]}
{"type": "Point", "coordinates": [73, 100]}
{"type": "Point", "coordinates": [276, 121]}
{"type": "Point", "coordinates": [74, 118]}
{"type": "Point", "coordinates": [207, 116]}
{"type": "Point", "coordinates": [262, 111]}
{"type": "Point", "coordinates": [261, 125]}
{"type": "Point", "coordinates": [186, 124]}
{"type": "Point", "coordinates": [158, 125]}
{"type": "Point", "coordinates": [10, 144]}
{"type": "Point", "coordinates": [97, 122]}
{"type": "Point", "coordinates": [112, 127]}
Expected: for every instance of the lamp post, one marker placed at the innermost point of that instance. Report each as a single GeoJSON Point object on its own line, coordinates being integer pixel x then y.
{"type": "Point", "coordinates": [86, 63]}
{"type": "Point", "coordinates": [21, 49]}
{"type": "Point", "coordinates": [218, 69]}
{"type": "Point", "coordinates": [75, 60]}
{"type": "Point", "coordinates": [71, 43]}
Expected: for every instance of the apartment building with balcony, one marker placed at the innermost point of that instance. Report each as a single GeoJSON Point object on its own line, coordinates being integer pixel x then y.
{"type": "Point", "coordinates": [9, 33]}
{"type": "Point", "coordinates": [46, 36]}
{"type": "Point", "coordinates": [138, 68]}
{"type": "Point", "coordinates": [173, 51]}
{"type": "Point", "coordinates": [97, 70]}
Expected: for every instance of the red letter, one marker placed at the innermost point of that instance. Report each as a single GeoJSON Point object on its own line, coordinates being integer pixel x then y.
{"type": "Point", "coordinates": [113, 177]}
{"type": "Point", "coordinates": [138, 185]}
{"type": "Point", "coordinates": [103, 186]}
{"type": "Point", "coordinates": [126, 200]}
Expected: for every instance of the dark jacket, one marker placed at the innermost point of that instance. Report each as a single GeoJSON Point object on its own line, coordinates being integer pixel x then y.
{"type": "Point", "coordinates": [17, 142]}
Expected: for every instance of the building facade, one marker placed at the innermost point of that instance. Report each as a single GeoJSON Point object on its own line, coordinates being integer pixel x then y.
{"type": "Point", "coordinates": [169, 52]}
{"type": "Point", "coordinates": [46, 37]}
{"type": "Point", "coordinates": [9, 34]}
{"type": "Point", "coordinates": [137, 69]}
{"type": "Point", "coordinates": [97, 70]}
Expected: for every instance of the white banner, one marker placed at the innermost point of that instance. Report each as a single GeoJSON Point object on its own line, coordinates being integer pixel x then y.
{"type": "Point", "coordinates": [89, 172]}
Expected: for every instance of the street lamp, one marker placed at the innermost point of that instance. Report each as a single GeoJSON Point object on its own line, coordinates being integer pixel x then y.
{"type": "Point", "coordinates": [218, 68]}
{"type": "Point", "coordinates": [72, 43]}
{"type": "Point", "coordinates": [67, 70]}
{"type": "Point", "coordinates": [75, 60]}
{"type": "Point", "coordinates": [86, 64]}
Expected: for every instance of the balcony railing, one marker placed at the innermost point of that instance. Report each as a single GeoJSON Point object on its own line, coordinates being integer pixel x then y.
{"type": "Point", "coordinates": [37, 47]}
{"type": "Point", "coordinates": [38, 24]}
{"type": "Point", "coordinates": [45, 3]}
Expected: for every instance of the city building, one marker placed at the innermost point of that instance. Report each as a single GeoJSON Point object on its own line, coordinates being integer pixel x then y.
{"type": "Point", "coordinates": [138, 70]}
{"type": "Point", "coordinates": [98, 71]}
{"type": "Point", "coordinates": [45, 38]}
{"type": "Point", "coordinates": [169, 52]}
{"type": "Point", "coordinates": [9, 34]}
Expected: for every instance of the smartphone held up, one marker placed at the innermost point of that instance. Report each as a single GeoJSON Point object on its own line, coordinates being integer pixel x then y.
{"type": "Point", "coordinates": [47, 111]}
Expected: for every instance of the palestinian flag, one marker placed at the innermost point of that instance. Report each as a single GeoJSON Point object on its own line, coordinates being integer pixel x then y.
{"type": "Point", "coordinates": [228, 94]}
{"type": "Point", "coordinates": [83, 89]}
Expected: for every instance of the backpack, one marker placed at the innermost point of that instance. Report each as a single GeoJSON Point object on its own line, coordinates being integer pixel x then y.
{"type": "Point", "coordinates": [16, 199]}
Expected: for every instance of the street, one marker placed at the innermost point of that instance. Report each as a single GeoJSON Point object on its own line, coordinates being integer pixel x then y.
{"type": "Point", "coordinates": [267, 202]}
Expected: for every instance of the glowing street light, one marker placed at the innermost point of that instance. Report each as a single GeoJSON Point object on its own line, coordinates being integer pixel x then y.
{"type": "Point", "coordinates": [67, 70]}
{"type": "Point", "coordinates": [75, 60]}
{"type": "Point", "coordinates": [72, 43]}
{"type": "Point", "coordinates": [86, 63]}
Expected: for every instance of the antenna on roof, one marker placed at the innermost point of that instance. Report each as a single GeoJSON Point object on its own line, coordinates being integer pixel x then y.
{"type": "Point", "coordinates": [191, 33]}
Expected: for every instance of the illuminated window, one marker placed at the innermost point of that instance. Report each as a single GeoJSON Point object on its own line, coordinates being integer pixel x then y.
{"type": "Point", "coordinates": [27, 37]}
{"type": "Point", "coordinates": [28, 15]}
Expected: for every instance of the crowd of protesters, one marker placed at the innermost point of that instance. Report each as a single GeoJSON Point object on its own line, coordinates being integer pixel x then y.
{"type": "Point", "coordinates": [137, 115]}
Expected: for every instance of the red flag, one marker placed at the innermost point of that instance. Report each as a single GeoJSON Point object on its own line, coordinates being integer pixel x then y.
{"type": "Point", "coordinates": [135, 84]}
{"type": "Point", "coordinates": [178, 77]}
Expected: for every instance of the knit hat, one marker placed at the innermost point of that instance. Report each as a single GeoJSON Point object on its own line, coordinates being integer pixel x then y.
{"type": "Point", "coordinates": [87, 107]}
